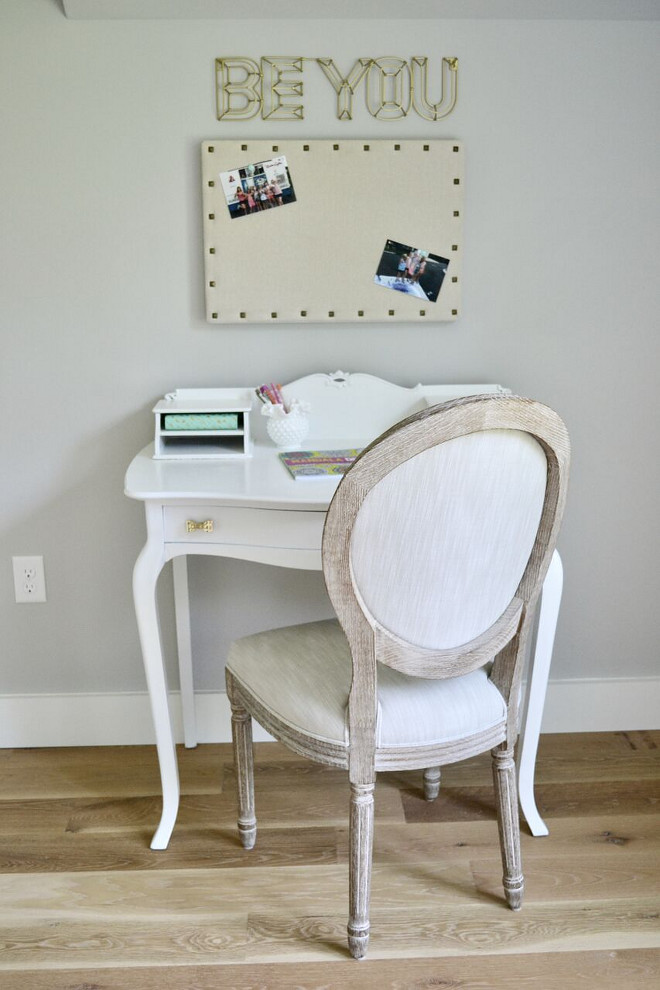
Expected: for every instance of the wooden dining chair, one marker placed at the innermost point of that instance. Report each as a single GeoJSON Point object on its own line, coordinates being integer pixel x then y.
{"type": "Point", "coordinates": [435, 548]}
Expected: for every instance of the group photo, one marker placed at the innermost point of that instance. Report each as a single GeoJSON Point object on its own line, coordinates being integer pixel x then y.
{"type": "Point", "coordinates": [257, 187]}
{"type": "Point", "coordinates": [411, 270]}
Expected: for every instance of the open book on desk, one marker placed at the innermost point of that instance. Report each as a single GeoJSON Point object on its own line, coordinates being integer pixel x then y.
{"type": "Point", "coordinates": [308, 464]}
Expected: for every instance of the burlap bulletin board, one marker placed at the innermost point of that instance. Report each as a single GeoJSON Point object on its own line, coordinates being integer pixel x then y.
{"type": "Point", "coordinates": [314, 259]}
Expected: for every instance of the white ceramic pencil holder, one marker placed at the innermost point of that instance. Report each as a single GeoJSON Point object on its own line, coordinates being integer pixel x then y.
{"type": "Point", "coordinates": [287, 429]}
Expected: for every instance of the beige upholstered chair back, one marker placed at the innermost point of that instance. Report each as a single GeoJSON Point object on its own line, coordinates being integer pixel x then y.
{"type": "Point", "coordinates": [439, 535]}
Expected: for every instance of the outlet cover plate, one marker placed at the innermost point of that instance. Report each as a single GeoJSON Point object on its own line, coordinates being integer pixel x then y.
{"type": "Point", "coordinates": [29, 579]}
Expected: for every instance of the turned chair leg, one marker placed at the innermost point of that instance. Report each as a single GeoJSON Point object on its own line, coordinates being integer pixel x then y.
{"type": "Point", "coordinates": [431, 783]}
{"type": "Point", "coordinates": [241, 731]}
{"type": "Point", "coordinates": [506, 794]}
{"type": "Point", "coordinates": [361, 833]}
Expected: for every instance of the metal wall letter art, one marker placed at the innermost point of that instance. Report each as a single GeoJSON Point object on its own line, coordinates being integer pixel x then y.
{"type": "Point", "coordinates": [274, 87]}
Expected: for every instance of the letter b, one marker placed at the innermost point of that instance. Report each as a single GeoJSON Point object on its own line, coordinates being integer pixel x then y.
{"type": "Point", "coordinates": [227, 89]}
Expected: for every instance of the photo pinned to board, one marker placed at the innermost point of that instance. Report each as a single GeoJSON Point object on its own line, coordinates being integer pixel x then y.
{"type": "Point", "coordinates": [411, 270]}
{"type": "Point", "coordinates": [257, 187]}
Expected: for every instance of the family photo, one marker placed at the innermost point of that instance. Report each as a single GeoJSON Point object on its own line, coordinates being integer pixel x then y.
{"type": "Point", "coordinates": [257, 187]}
{"type": "Point", "coordinates": [411, 270]}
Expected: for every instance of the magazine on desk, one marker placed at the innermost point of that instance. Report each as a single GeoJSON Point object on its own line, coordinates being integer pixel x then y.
{"type": "Point", "coordinates": [305, 464]}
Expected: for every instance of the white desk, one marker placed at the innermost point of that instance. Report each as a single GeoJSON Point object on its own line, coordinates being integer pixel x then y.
{"type": "Point", "coordinates": [259, 513]}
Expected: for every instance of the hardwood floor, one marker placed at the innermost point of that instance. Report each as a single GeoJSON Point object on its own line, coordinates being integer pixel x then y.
{"type": "Point", "coordinates": [86, 905]}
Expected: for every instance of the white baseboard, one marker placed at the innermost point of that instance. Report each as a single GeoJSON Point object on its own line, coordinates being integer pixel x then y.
{"type": "Point", "coordinates": [124, 719]}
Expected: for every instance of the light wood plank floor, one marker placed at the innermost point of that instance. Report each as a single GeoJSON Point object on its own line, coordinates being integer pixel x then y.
{"type": "Point", "coordinates": [86, 905]}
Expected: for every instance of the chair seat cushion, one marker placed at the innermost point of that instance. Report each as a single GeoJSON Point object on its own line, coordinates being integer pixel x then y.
{"type": "Point", "coordinates": [302, 675]}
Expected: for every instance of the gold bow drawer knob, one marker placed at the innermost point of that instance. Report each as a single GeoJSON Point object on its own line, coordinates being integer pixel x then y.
{"type": "Point", "coordinates": [192, 526]}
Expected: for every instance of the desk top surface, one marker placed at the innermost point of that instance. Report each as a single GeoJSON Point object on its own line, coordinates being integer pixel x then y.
{"type": "Point", "coordinates": [260, 481]}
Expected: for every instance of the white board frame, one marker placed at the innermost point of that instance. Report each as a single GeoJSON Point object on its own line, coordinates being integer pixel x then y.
{"type": "Point", "coordinates": [314, 260]}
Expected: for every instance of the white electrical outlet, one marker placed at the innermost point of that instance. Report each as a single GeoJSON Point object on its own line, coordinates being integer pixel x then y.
{"type": "Point", "coordinates": [29, 579]}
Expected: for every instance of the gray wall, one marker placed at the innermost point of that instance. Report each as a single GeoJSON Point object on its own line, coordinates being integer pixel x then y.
{"type": "Point", "coordinates": [101, 306]}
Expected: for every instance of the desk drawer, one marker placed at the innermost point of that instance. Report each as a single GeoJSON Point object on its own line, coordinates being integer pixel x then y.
{"type": "Point", "coordinates": [245, 527]}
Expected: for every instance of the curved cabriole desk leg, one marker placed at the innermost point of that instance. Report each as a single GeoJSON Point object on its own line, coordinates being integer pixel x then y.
{"type": "Point", "coordinates": [535, 696]}
{"type": "Point", "coordinates": [145, 576]}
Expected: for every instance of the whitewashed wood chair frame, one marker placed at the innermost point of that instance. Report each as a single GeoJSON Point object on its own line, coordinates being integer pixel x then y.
{"type": "Point", "coordinates": [493, 653]}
